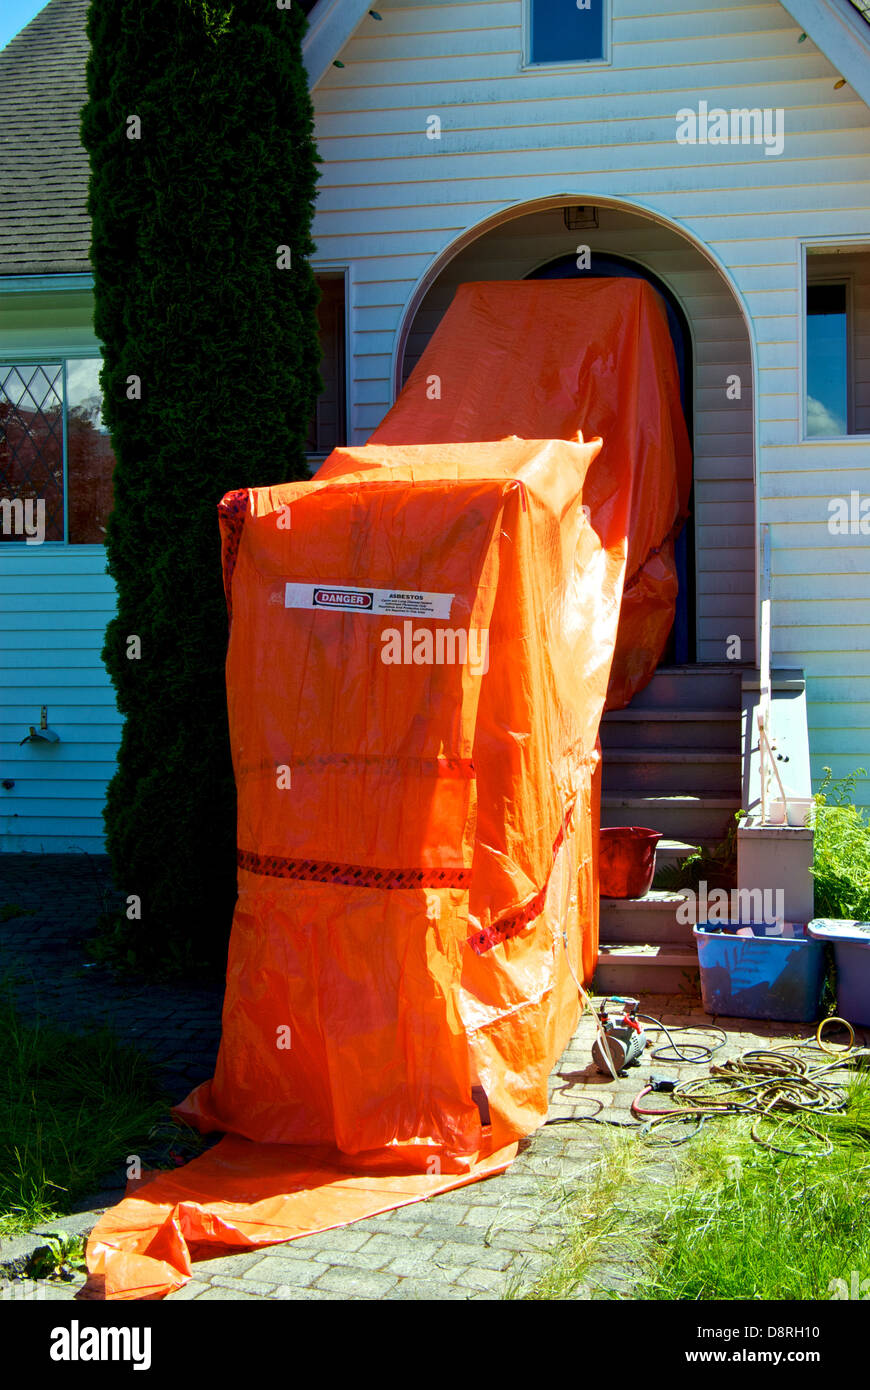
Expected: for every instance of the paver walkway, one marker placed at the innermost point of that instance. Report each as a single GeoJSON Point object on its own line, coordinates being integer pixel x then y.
{"type": "Point", "coordinates": [482, 1241]}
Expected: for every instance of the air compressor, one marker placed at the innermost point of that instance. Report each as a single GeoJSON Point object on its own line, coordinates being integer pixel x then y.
{"type": "Point", "coordinates": [621, 1038]}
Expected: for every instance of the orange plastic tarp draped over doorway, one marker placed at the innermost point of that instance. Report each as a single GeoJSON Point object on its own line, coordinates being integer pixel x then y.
{"type": "Point", "coordinates": [546, 359]}
{"type": "Point", "coordinates": [420, 646]}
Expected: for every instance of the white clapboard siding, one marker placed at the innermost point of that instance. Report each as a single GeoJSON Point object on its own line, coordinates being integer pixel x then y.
{"type": "Point", "coordinates": [55, 601]}
{"type": "Point", "coordinates": [391, 202]}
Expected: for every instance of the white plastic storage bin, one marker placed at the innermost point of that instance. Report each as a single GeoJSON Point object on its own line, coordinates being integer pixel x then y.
{"type": "Point", "coordinates": [851, 943]}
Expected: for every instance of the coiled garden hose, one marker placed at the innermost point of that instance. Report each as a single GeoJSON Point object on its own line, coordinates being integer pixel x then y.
{"type": "Point", "coordinates": [778, 1085]}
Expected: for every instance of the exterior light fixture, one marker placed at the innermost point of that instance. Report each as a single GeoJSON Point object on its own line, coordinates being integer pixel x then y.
{"type": "Point", "coordinates": [579, 219]}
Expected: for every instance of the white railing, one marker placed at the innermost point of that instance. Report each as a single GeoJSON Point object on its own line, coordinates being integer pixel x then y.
{"type": "Point", "coordinates": [767, 757]}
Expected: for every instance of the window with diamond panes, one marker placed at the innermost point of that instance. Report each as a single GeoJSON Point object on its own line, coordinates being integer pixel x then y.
{"type": "Point", "coordinates": [40, 405]}
{"type": "Point", "coordinates": [31, 448]}
{"type": "Point", "coordinates": [90, 461]}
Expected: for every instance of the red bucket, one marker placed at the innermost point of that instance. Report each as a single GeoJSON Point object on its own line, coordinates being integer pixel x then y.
{"type": "Point", "coordinates": [626, 861]}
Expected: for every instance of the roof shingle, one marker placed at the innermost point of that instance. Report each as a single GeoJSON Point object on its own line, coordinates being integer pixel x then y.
{"type": "Point", "coordinates": [44, 226]}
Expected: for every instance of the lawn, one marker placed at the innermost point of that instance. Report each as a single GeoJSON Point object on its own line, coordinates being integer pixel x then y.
{"type": "Point", "coordinates": [732, 1219]}
{"type": "Point", "coordinates": [71, 1111]}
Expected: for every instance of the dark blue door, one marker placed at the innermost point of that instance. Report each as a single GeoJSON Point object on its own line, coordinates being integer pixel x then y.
{"type": "Point", "coordinates": [681, 645]}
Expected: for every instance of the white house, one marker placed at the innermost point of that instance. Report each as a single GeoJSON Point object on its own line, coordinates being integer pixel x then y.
{"type": "Point", "coordinates": [720, 150]}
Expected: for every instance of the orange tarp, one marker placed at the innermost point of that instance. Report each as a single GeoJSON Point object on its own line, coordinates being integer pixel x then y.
{"type": "Point", "coordinates": [544, 359]}
{"type": "Point", "coordinates": [420, 646]}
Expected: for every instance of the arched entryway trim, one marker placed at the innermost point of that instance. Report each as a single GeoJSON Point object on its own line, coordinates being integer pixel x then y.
{"type": "Point", "coordinates": [556, 200]}
{"type": "Point", "coordinates": [469, 239]}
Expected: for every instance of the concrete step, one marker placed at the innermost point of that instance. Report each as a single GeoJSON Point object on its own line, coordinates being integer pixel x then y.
{"type": "Point", "coordinates": [638, 970]}
{"type": "Point", "coordinates": [707, 686]}
{"type": "Point", "coordinates": [677, 817]}
{"type": "Point", "coordinates": [672, 851]}
{"type": "Point", "coordinates": [642, 729]}
{"type": "Point", "coordinates": [651, 920]}
{"type": "Point", "coordinates": [658, 771]}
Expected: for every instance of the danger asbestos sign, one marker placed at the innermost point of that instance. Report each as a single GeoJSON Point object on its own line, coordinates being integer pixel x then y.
{"type": "Point", "coordinates": [347, 598]}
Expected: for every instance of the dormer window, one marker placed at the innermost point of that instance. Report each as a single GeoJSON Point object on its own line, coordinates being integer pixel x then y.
{"type": "Point", "coordinates": [568, 31]}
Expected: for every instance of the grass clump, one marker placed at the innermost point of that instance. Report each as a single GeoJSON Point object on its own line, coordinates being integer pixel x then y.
{"type": "Point", "coordinates": [71, 1110]}
{"type": "Point", "coordinates": [734, 1221]}
{"type": "Point", "coordinates": [747, 1223]}
{"type": "Point", "coordinates": [607, 1227]}
{"type": "Point", "coordinates": [841, 850]}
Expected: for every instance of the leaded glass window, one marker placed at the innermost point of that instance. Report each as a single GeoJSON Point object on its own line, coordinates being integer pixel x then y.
{"type": "Point", "coordinates": [56, 459]}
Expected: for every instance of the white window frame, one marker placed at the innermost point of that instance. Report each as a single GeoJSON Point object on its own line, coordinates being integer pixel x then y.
{"type": "Point", "coordinates": [570, 64]}
{"type": "Point", "coordinates": [805, 247]}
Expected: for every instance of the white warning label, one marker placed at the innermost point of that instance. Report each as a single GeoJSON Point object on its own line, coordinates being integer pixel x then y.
{"type": "Point", "coordinates": [348, 598]}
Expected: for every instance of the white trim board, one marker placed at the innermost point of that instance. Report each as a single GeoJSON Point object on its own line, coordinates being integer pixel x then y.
{"type": "Point", "coordinates": [838, 31]}
{"type": "Point", "coordinates": [330, 24]}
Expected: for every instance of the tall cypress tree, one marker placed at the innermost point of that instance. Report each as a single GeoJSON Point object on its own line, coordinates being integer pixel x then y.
{"type": "Point", "coordinates": [199, 129]}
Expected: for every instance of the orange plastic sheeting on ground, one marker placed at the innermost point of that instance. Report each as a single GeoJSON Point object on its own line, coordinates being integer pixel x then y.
{"type": "Point", "coordinates": [240, 1196]}
{"type": "Point", "coordinates": [545, 359]}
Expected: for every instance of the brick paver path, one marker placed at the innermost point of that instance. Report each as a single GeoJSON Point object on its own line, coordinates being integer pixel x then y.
{"type": "Point", "coordinates": [482, 1241]}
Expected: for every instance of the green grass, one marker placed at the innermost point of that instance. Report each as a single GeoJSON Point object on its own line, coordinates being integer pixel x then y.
{"type": "Point", "coordinates": [10, 910]}
{"type": "Point", "coordinates": [607, 1226]}
{"type": "Point", "coordinates": [841, 850]}
{"type": "Point", "coordinates": [745, 1223]}
{"type": "Point", "coordinates": [736, 1222]}
{"type": "Point", "coordinates": [71, 1110]}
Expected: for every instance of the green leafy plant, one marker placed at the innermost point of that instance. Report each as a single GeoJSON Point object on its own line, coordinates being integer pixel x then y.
{"type": "Point", "coordinates": [716, 866]}
{"type": "Point", "coordinates": [841, 850]}
{"type": "Point", "coordinates": [137, 954]}
{"type": "Point", "coordinates": [62, 1257]}
{"type": "Point", "coordinates": [199, 130]}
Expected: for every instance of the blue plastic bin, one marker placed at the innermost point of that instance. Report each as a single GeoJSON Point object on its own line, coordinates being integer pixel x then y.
{"type": "Point", "coordinates": [762, 975]}
{"type": "Point", "coordinates": [851, 943]}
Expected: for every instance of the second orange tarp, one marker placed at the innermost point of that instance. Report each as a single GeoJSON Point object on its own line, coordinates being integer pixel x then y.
{"type": "Point", "coordinates": [546, 359]}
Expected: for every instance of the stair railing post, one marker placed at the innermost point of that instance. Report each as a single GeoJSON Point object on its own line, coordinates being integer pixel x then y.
{"type": "Point", "coordinates": [764, 671]}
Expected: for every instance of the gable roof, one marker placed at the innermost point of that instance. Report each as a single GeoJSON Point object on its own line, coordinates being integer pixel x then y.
{"type": "Point", "coordinates": [330, 24]}
{"type": "Point", "coordinates": [44, 227]}
{"type": "Point", "coordinates": [840, 30]}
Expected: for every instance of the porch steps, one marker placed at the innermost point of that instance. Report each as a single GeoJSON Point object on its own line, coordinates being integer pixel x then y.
{"type": "Point", "coordinates": [671, 762]}
{"type": "Point", "coordinates": [692, 818]}
{"type": "Point", "coordinates": [672, 852]}
{"type": "Point", "coordinates": [637, 970]}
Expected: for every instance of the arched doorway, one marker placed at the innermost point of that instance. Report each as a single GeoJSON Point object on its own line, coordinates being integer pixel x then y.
{"type": "Point", "coordinates": [721, 534]}
{"type": "Point", "coordinates": [681, 644]}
